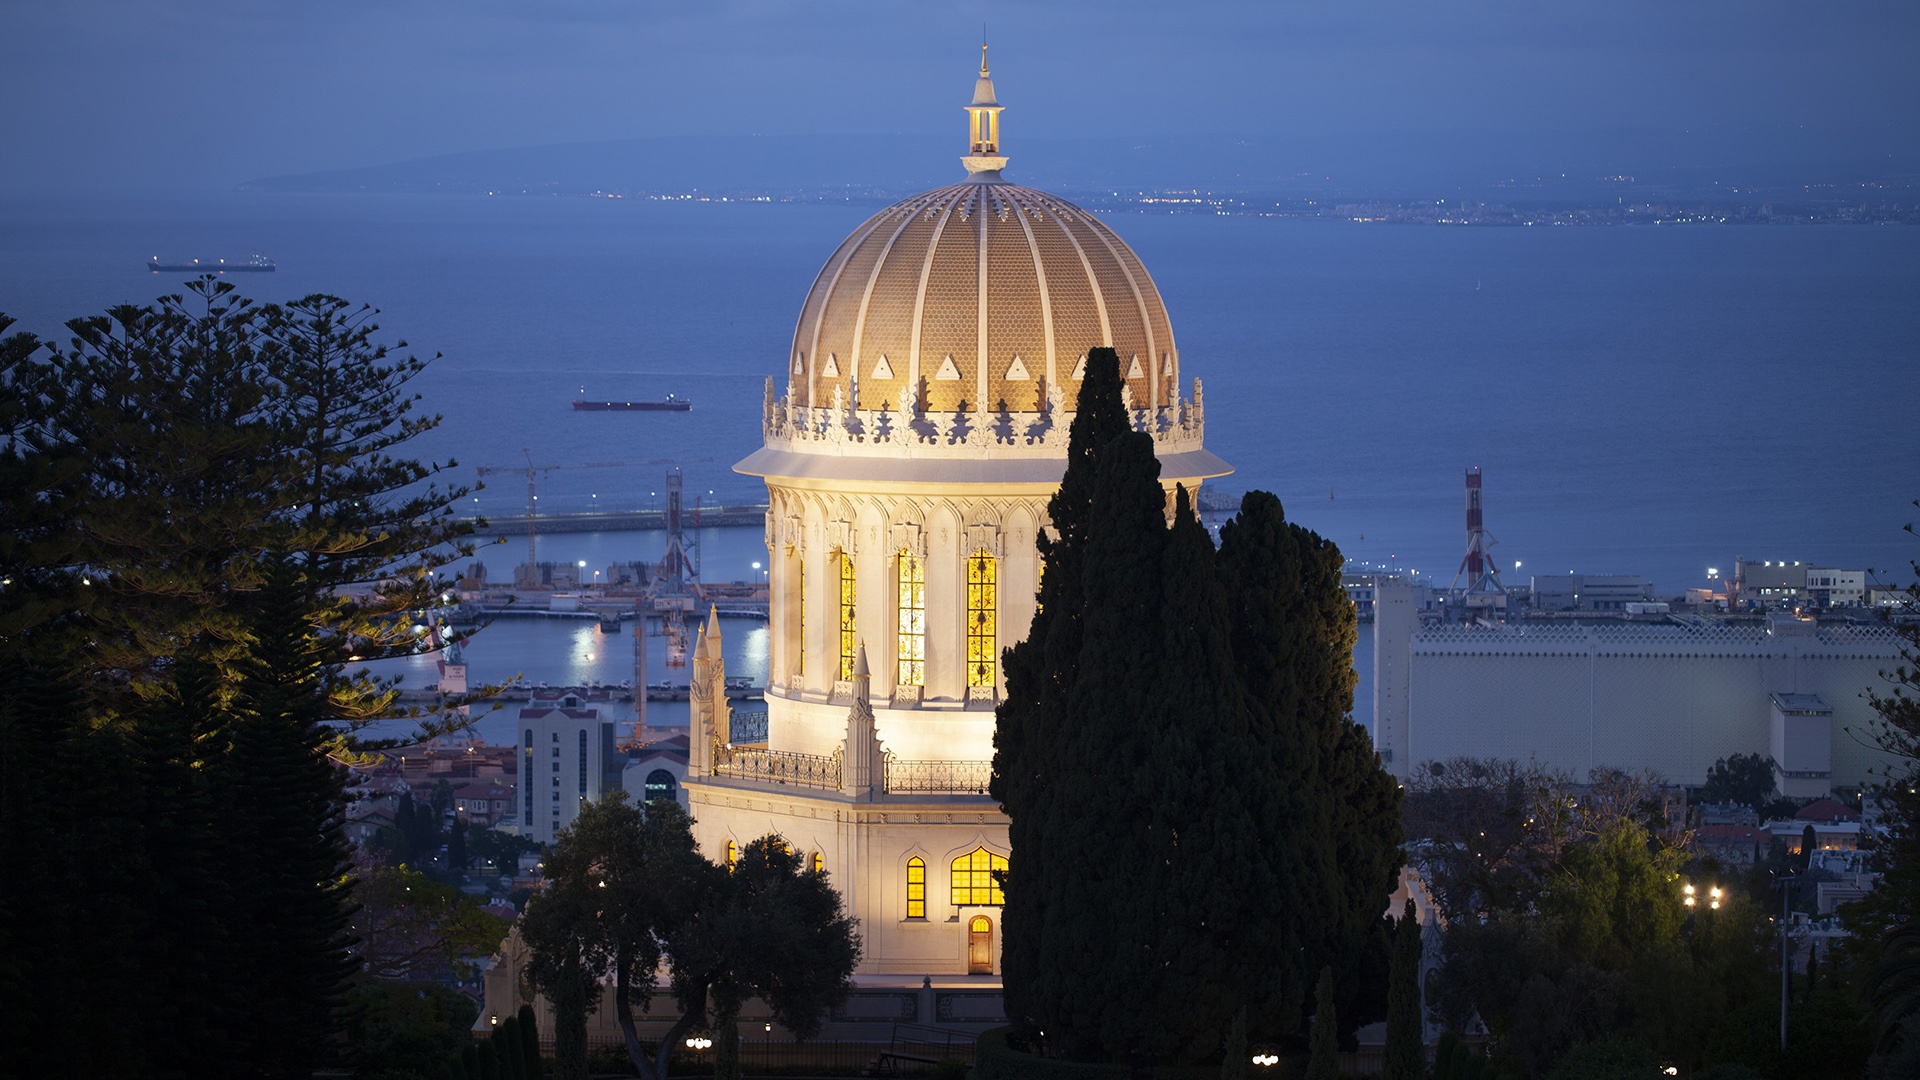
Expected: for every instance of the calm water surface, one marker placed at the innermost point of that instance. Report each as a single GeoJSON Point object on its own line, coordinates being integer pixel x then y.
{"type": "Point", "coordinates": [1642, 400]}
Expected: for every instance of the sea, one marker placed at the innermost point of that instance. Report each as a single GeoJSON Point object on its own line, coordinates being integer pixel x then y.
{"type": "Point", "coordinates": [1652, 400]}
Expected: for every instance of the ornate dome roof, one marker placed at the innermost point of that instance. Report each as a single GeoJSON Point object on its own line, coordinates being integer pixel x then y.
{"type": "Point", "coordinates": [980, 293]}
{"type": "Point", "coordinates": [952, 328]}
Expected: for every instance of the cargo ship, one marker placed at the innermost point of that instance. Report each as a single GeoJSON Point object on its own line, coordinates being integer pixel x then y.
{"type": "Point", "coordinates": [672, 404]}
{"type": "Point", "coordinates": [258, 264]}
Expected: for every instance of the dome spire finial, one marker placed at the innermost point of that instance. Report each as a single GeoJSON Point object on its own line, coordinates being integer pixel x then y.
{"type": "Point", "coordinates": [984, 160]}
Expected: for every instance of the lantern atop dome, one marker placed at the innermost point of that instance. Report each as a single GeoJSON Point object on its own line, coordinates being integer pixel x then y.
{"type": "Point", "coordinates": [984, 160]}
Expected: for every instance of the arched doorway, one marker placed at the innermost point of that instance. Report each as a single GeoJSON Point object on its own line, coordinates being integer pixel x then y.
{"type": "Point", "coordinates": [980, 945]}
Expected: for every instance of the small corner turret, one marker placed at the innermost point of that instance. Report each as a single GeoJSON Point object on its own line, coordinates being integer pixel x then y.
{"type": "Point", "coordinates": [863, 772]}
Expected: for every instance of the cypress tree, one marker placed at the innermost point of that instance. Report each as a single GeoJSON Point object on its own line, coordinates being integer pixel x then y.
{"type": "Point", "coordinates": [1323, 1048]}
{"type": "Point", "coordinates": [1233, 1059]}
{"type": "Point", "coordinates": [530, 1042]}
{"type": "Point", "coordinates": [1406, 1052]}
{"type": "Point", "coordinates": [1330, 815]}
{"type": "Point", "coordinates": [1030, 723]}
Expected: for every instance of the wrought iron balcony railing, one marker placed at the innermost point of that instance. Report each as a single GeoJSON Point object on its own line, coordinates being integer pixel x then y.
{"type": "Point", "coordinates": [749, 727]}
{"type": "Point", "coordinates": [778, 767]}
{"type": "Point", "coordinates": [938, 777]}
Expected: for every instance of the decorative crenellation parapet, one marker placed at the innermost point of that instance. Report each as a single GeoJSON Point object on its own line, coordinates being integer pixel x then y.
{"type": "Point", "coordinates": [843, 427]}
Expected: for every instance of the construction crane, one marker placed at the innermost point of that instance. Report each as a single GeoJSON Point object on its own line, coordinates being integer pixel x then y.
{"type": "Point", "coordinates": [532, 471]}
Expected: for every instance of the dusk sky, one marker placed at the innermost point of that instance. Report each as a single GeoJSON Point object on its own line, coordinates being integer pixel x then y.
{"type": "Point", "coordinates": [163, 93]}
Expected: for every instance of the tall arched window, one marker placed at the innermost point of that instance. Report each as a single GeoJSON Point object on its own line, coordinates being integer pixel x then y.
{"type": "Point", "coordinates": [916, 888]}
{"type": "Point", "coordinates": [973, 881]}
{"type": "Point", "coordinates": [733, 855]}
{"type": "Point", "coordinates": [849, 636]}
{"type": "Point", "coordinates": [819, 863]}
{"type": "Point", "coordinates": [800, 617]}
{"type": "Point", "coordinates": [912, 637]}
{"type": "Point", "coordinates": [982, 637]}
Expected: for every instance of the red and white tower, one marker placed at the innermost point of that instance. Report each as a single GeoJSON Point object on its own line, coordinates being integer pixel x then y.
{"type": "Point", "coordinates": [1484, 589]}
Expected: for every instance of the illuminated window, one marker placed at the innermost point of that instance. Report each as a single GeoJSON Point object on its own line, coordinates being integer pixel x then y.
{"type": "Point", "coordinates": [819, 863]}
{"type": "Point", "coordinates": [981, 638]}
{"type": "Point", "coordinates": [973, 882]}
{"type": "Point", "coordinates": [916, 888]}
{"type": "Point", "coordinates": [733, 856]}
{"type": "Point", "coordinates": [912, 638]}
{"type": "Point", "coordinates": [849, 639]}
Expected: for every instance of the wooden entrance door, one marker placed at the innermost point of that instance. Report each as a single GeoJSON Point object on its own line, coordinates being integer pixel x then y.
{"type": "Point", "coordinates": [980, 946]}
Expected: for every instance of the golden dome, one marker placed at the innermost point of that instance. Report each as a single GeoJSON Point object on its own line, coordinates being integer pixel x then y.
{"type": "Point", "coordinates": [946, 339]}
{"type": "Point", "coordinates": [981, 293]}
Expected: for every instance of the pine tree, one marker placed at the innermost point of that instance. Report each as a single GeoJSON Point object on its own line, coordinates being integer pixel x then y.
{"type": "Point", "coordinates": [1406, 1053]}
{"type": "Point", "coordinates": [286, 857]}
{"type": "Point", "coordinates": [1323, 1048]}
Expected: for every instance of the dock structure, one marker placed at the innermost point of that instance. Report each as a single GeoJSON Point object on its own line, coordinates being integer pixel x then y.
{"type": "Point", "coordinates": [745, 515]}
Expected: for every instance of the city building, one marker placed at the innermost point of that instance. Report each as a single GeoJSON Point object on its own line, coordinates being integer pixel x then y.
{"type": "Point", "coordinates": [1589, 592]}
{"type": "Point", "coordinates": [917, 430]}
{"type": "Point", "coordinates": [1672, 696]}
{"type": "Point", "coordinates": [566, 750]}
{"type": "Point", "coordinates": [657, 770]}
{"type": "Point", "coordinates": [1829, 587]}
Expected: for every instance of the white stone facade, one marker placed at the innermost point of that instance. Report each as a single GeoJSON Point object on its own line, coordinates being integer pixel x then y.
{"type": "Point", "coordinates": [908, 466]}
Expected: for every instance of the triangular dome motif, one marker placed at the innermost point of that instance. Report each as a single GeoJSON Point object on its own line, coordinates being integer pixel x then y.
{"type": "Point", "coordinates": [799, 363]}
{"type": "Point", "coordinates": [1133, 370]}
{"type": "Point", "coordinates": [832, 370]}
{"type": "Point", "coordinates": [949, 372]}
{"type": "Point", "coordinates": [1018, 370]}
{"type": "Point", "coordinates": [883, 370]}
{"type": "Point", "coordinates": [1166, 364]}
{"type": "Point", "coordinates": [1080, 368]}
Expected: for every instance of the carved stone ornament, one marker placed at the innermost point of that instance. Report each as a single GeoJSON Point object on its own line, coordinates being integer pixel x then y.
{"type": "Point", "coordinates": [985, 536]}
{"type": "Point", "coordinates": [907, 536]}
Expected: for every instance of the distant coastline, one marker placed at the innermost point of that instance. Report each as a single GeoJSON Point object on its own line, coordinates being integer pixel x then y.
{"type": "Point", "coordinates": [1438, 182]}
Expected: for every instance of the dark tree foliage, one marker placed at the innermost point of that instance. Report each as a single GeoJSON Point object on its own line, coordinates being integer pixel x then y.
{"type": "Point", "coordinates": [1882, 923]}
{"type": "Point", "coordinates": [1196, 827]}
{"type": "Point", "coordinates": [286, 858]}
{"type": "Point", "coordinates": [1331, 813]}
{"type": "Point", "coordinates": [1743, 779]}
{"type": "Point", "coordinates": [625, 889]}
{"type": "Point", "coordinates": [1029, 733]}
{"type": "Point", "coordinates": [1406, 1051]}
{"type": "Point", "coordinates": [773, 930]}
{"type": "Point", "coordinates": [190, 489]}
{"type": "Point", "coordinates": [1323, 1050]}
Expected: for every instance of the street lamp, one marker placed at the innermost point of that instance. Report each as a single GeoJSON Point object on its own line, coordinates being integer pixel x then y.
{"type": "Point", "coordinates": [699, 1042]}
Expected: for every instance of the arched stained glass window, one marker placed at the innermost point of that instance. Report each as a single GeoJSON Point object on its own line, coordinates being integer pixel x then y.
{"type": "Point", "coordinates": [911, 643]}
{"type": "Point", "coordinates": [982, 636]}
{"type": "Point", "coordinates": [916, 888]}
{"type": "Point", "coordinates": [849, 636]}
{"type": "Point", "coordinates": [973, 881]}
